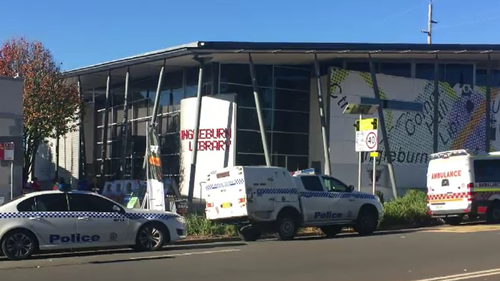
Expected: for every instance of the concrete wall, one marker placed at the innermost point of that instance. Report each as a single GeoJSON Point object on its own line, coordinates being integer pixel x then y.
{"type": "Point", "coordinates": [11, 130]}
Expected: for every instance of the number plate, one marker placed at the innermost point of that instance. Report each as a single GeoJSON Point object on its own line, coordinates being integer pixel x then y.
{"type": "Point", "coordinates": [226, 205]}
{"type": "Point", "coordinates": [438, 207]}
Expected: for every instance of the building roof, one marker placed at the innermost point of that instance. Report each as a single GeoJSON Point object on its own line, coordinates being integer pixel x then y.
{"type": "Point", "coordinates": [276, 48]}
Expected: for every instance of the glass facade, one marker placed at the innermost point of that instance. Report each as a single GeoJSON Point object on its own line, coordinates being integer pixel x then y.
{"type": "Point", "coordinates": [284, 92]}
{"type": "Point", "coordinates": [284, 98]}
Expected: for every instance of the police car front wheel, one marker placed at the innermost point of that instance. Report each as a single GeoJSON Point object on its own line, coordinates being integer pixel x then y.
{"type": "Point", "coordinates": [19, 245]}
{"type": "Point", "coordinates": [151, 237]}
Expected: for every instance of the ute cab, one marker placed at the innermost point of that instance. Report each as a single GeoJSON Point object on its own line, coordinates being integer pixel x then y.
{"type": "Point", "coordinates": [462, 184]}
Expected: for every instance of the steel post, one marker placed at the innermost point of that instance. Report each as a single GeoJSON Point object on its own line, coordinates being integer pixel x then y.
{"type": "Point", "coordinates": [155, 106]}
{"type": "Point", "coordinates": [259, 110]}
{"type": "Point", "coordinates": [360, 161]}
{"type": "Point", "coordinates": [322, 117]}
{"type": "Point", "coordinates": [194, 155]}
{"type": "Point", "coordinates": [488, 106]}
{"type": "Point", "coordinates": [383, 128]}
{"type": "Point", "coordinates": [435, 124]}
{"type": "Point", "coordinates": [124, 127]}
{"type": "Point", "coordinates": [82, 169]}
{"type": "Point", "coordinates": [105, 127]}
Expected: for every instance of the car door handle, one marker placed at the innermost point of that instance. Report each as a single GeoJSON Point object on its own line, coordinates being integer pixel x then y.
{"type": "Point", "coordinates": [83, 218]}
{"type": "Point", "coordinates": [34, 218]}
{"type": "Point", "coordinates": [351, 198]}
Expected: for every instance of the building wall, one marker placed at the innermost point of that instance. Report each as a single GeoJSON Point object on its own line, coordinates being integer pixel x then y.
{"type": "Point", "coordinates": [461, 122]}
{"type": "Point", "coordinates": [11, 130]}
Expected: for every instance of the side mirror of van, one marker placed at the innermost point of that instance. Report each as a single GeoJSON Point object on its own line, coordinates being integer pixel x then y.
{"type": "Point", "coordinates": [351, 188]}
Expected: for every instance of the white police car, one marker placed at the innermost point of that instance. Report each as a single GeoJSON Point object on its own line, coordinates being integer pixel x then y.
{"type": "Point", "coordinates": [57, 220]}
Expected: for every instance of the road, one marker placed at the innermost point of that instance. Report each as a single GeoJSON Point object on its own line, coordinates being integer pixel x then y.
{"type": "Point", "coordinates": [445, 253]}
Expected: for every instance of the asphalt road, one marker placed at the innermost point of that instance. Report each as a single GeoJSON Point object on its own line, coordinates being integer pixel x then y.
{"type": "Point", "coordinates": [448, 253]}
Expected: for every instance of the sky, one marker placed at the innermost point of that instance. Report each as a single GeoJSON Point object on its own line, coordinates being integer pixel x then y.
{"type": "Point", "coordinates": [81, 33]}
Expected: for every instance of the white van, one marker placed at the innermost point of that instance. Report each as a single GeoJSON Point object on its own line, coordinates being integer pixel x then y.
{"type": "Point", "coordinates": [462, 184]}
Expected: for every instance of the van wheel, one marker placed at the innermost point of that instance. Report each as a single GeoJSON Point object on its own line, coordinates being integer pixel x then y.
{"type": "Point", "coordinates": [285, 228]}
{"type": "Point", "coordinates": [248, 233]}
{"type": "Point", "coordinates": [493, 216]}
{"type": "Point", "coordinates": [453, 220]}
{"type": "Point", "coordinates": [367, 222]}
{"type": "Point", "coordinates": [331, 230]}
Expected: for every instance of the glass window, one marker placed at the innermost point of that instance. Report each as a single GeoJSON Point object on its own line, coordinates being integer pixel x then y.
{"type": "Point", "coordinates": [291, 100]}
{"type": "Point", "coordinates": [362, 66]}
{"type": "Point", "coordinates": [285, 121]}
{"type": "Point", "coordinates": [312, 183]}
{"type": "Point", "coordinates": [118, 97]}
{"type": "Point", "coordinates": [487, 170]}
{"type": "Point", "coordinates": [28, 205]}
{"type": "Point", "coordinates": [292, 78]}
{"type": "Point", "coordinates": [245, 95]}
{"type": "Point", "coordinates": [459, 74]}
{"type": "Point", "coordinates": [250, 142]}
{"type": "Point", "coordinates": [51, 203]}
{"type": "Point", "coordinates": [284, 143]}
{"type": "Point", "coordinates": [396, 69]}
{"type": "Point", "coordinates": [169, 143]}
{"type": "Point", "coordinates": [90, 203]}
{"type": "Point", "coordinates": [240, 74]}
{"type": "Point", "coordinates": [170, 165]}
{"type": "Point", "coordinates": [292, 163]}
{"type": "Point", "coordinates": [334, 185]}
{"type": "Point", "coordinates": [426, 71]}
{"type": "Point", "coordinates": [481, 77]}
{"type": "Point", "coordinates": [247, 119]}
{"type": "Point", "coordinates": [250, 159]}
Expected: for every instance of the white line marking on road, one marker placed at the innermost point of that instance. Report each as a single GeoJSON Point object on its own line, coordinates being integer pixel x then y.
{"type": "Point", "coordinates": [464, 276]}
{"type": "Point", "coordinates": [185, 254]}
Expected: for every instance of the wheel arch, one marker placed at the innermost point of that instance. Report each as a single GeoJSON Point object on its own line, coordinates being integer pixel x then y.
{"type": "Point", "coordinates": [20, 228]}
{"type": "Point", "coordinates": [160, 224]}
{"type": "Point", "coordinates": [290, 210]}
{"type": "Point", "coordinates": [367, 207]}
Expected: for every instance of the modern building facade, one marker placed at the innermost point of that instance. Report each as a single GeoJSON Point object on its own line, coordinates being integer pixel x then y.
{"type": "Point", "coordinates": [120, 98]}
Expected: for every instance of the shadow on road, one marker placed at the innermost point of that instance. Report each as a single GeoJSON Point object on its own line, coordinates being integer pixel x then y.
{"type": "Point", "coordinates": [354, 235]}
{"type": "Point", "coordinates": [99, 252]}
{"type": "Point", "coordinates": [133, 260]}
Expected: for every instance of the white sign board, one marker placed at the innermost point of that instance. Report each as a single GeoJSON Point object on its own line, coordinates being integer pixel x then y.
{"type": "Point", "coordinates": [367, 141]}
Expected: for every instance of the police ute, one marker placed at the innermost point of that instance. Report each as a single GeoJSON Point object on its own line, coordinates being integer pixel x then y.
{"type": "Point", "coordinates": [260, 199]}
{"type": "Point", "coordinates": [58, 220]}
{"type": "Point", "coordinates": [464, 184]}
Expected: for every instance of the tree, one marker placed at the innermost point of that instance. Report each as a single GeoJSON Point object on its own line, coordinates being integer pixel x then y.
{"type": "Point", "coordinates": [50, 105]}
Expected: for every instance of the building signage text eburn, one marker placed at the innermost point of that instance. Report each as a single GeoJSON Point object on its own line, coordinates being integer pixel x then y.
{"type": "Point", "coordinates": [213, 139]}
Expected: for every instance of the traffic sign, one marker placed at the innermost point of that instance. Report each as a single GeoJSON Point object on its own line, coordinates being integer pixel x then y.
{"type": "Point", "coordinates": [374, 154]}
{"type": "Point", "coordinates": [367, 141]}
{"type": "Point", "coordinates": [367, 124]}
{"type": "Point", "coordinates": [7, 151]}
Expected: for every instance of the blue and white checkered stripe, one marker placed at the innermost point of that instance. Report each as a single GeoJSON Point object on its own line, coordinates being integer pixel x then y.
{"type": "Point", "coordinates": [94, 215]}
{"type": "Point", "coordinates": [314, 194]}
{"type": "Point", "coordinates": [262, 191]}
{"type": "Point", "coordinates": [229, 183]}
{"type": "Point", "coordinates": [323, 194]}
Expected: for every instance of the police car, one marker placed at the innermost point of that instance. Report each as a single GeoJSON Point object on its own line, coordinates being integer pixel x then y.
{"type": "Point", "coordinates": [58, 220]}
{"type": "Point", "coordinates": [261, 199]}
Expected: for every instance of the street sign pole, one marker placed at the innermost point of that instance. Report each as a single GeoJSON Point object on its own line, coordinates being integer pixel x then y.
{"type": "Point", "coordinates": [367, 141]}
{"type": "Point", "coordinates": [7, 154]}
{"type": "Point", "coordinates": [360, 160]}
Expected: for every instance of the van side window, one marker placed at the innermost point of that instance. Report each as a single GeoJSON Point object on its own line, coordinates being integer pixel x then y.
{"type": "Point", "coordinates": [312, 183]}
{"type": "Point", "coordinates": [487, 170]}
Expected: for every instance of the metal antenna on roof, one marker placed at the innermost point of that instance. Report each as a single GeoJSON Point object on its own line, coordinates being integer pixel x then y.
{"type": "Point", "coordinates": [430, 22]}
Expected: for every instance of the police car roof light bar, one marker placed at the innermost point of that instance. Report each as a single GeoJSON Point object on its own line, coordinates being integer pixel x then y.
{"type": "Point", "coordinates": [310, 171]}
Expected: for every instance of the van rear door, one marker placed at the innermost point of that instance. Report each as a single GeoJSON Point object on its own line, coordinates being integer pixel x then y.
{"type": "Point", "coordinates": [226, 194]}
{"type": "Point", "coordinates": [447, 181]}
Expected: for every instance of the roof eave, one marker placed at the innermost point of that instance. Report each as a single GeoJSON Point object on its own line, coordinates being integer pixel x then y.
{"type": "Point", "coordinates": [168, 53]}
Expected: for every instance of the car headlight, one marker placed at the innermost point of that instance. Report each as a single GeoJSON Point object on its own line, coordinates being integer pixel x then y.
{"type": "Point", "coordinates": [181, 219]}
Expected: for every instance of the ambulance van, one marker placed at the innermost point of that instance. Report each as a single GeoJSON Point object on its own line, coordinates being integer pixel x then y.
{"type": "Point", "coordinates": [462, 184]}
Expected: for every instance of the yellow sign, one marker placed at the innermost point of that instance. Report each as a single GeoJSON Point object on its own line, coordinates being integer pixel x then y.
{"type": "Point", "coordinates": [374, 154]}
{"type": "Point", "coordinates": [366, 124]}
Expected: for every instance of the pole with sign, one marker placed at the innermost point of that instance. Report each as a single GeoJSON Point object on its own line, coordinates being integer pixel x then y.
{"type": "Point", "coordinates": [367, 141]}
{"type": "Point", "coordinates": [7, 154]}
{"type": "Point", "coordinates": [374, 155]}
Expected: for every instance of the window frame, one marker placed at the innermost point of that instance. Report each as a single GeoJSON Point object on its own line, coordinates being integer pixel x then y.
{"type": "Point", "coordinates": [347, 189]}
{"type": "Point", "coordinates": [36, 198]}
{"type": "Point", "coordinates": [122, 209]}
{"type": "Point", "coordinates": [477, 168]}
{"type": "Point", "coordinates": [316, 177]}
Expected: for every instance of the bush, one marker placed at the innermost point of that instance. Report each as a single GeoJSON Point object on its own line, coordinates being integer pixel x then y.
{"type": "Point", "coordinates": [198, 225]}
{"type": "Point", "coordinates": [411, 209]}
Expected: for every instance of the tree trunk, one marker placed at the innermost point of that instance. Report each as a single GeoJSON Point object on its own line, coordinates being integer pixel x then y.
{"type": "Point", "coordinates": [57, 157]}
